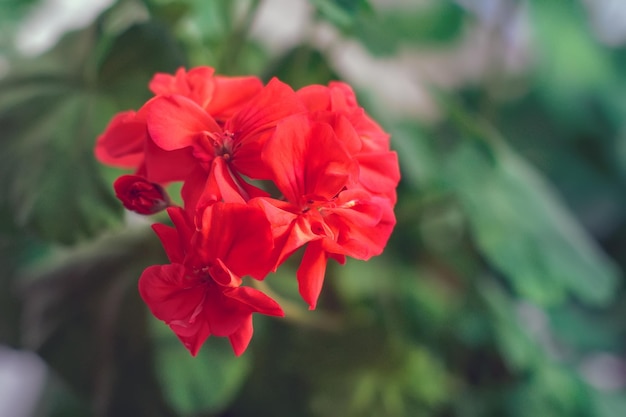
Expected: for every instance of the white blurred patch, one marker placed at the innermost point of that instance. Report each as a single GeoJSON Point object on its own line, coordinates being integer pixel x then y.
{"type": "Point", "coordinates": [608, 19]}
{"type": "Point", "coordinates": [22, 378]}
{"type": "Point", "coordinates": [604, 371]}
{"type": "Point", "coordinates": [47, 22]}
{"type": "Point", "coordinates": [281, 24]}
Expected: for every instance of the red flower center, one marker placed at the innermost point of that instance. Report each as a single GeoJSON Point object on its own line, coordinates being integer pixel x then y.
{"type": "Point", "coordinates": [214, 144]}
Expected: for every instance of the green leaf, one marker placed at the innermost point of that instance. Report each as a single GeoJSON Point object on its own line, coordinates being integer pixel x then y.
{"type": "Point", "coordinates": [524, 230]}
{"type": "Point", "coordinates": [550, 390]}
{"type": "Point", "coordinates": [418, 160]}
{"type": "Point", "coordinates": [213, 19]}
{"type": "Point", "coordinates": [133, 58]}
{"type": "Point", "coordinates": [53, 107]}
{"type": "Point", "coordinates": [340, 12]}
{"type": "Point", "coordinates": [83, 315]}
{"type": "Point", "coordinates": [47, 170]}
{"type": "Point", "coordinates": [563, 37]}
{"type": "Point", "coordinates": [401, 379]}
{"type": "Point", "coordinates": [50, 116]}
{"type": "Point", "coordinates": [206, 383]}
{"type": "Point", "coordinates": [586, 331]}
{"type": "Point", "coordinates": [514, 341]}
{"type": "Point", "coordinates": [301, 66]}
{"type": "Point", "coordinates": [571, 69]}
{"type": "Point", "coordinates": [609, 403]}
{"type": "Point", "coordinates": [386, 30]}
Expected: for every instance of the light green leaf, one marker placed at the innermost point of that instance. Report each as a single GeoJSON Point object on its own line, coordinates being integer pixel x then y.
{"type": "Point", "coordinates": [48, 175]}
{"type": "Point", "coordinates": [83, 315]}
{"type": "Point", "coordinates": [550, 390]}
{"type": "Point", "coordinates": [525, 231]}
{"type": "Point", "coordinates": [512, 338]}
{"type": "Point", "coordinates": [573, 71]}
{"type": "Point", "coordinates": [383, 32]}
{"type": "Point", "coordinates": [206, 383]}
{"type": "Point", "coordinates": [340, 12]}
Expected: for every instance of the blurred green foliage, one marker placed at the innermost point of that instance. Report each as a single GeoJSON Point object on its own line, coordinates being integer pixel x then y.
{"type": "Point", "coordinates": [502, 281]}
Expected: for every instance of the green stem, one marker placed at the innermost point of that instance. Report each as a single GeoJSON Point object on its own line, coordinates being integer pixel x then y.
{"type": "Point", "coordinates": [296, 314]}
{"type": "Point", "coordinates": [237, 38]}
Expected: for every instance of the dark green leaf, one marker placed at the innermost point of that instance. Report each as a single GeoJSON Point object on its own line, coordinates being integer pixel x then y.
{"type": "Point", "coordinates": [512, 336]}
{"type": "Point", "coordinates": [302, 66]}
{"type": "Point", "coordinates": [571, 68]}
{"type": "Point", "coordinates": [83, 315]}
{"type": "Point", "coordinates": [525, 231]}
{"type": "Point", "coordinates": [550, 390]}
{"type": "Point", "coordinates": [340, 12]}
{"type": "Point", "coordinates": [48, 173]}
{"type": "Point", "coordinates": [206, 383]}
{"type": "Point", "coordinates": [385, 31]}
{"type": "Point", "coordinates": [132, 60]}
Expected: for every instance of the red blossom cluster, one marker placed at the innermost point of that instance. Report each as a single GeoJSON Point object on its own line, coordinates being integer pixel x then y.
{"type": "Point", "coordinates": [266, 170]}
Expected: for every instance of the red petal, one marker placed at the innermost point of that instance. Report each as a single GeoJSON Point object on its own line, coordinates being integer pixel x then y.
{"type": "Point", "coordinates": [240, 236]}
{"type": "Point", "coordinates": [167, 166]}
{"type": "Point", "coordinates": [222, 179]}
{"type": "Point", "coordinates": [342, 96]}
{"type": "Point", "coordinates": [345, 133]}
{"type": "Point", "coordinates": [198, 84]}
{"type": "Point", "coordinates": [282, 222]}
{"type": "Point", "coordinates": [170, 294]}
{"type": "Point", "coordinates": [306, 228]}
{"type": "Point", "coordinates": [311, 273]}
{"type": "Point", "coordinates": [170, 240]}
{"type": "Point", "coordinates": [223, 276]}
{"type": "Point", "coordinates": [379, 172]}
{"type": "Point", "coordinates": [253, 123]}
{"type": "Point", "coordinates": [122, 143]}
{"type": "Point", "coordinates": [362, 229]}
{"type": "Point", "coordinates": [315, 97]}
{"type": "Point", "coordinates": [192, 190]}
{"type": "Point", "coordinates": [176, 240]}
{"type": "Point", "coordinates": [240, 339]}
{"type": "Point", "coordinates": [247, 156]}
{"type": "Point", "coordinates": [224, 314]}
{"type": "Point", "coordinates": [175, 122]}
{"type": "Point", "coordinates": [231, 93]}
{"type": "Point", "coordinates": [192, 335]}
{"type": "Point", "coordinates": [275, 102]}
{"type": "Point", "coordinates": [226, 310]}
{"type": "Point", "coordinates": [373, 137]}
{"type": "Point", "coordinates": [256, 300]}
{"type": "Point", "coordinates": [307, 160]}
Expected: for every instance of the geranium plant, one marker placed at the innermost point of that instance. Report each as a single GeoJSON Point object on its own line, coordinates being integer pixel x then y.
{"type": "Point", "coordinates": [266, 171]}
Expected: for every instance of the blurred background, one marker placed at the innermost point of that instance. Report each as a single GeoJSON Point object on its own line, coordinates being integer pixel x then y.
{"type": "Point", "coordinates": [500, 292]}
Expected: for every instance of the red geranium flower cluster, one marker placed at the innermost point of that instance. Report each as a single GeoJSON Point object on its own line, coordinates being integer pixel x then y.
{"type": "Point", "coordinates": [266, 170]}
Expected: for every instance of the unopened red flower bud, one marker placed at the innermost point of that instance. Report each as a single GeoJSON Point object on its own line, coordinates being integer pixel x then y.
{"type": "Point", "coordinates": [140, 195]}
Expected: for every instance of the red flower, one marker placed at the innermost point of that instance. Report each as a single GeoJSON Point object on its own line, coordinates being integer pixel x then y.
{"type": "Point", "coordinates": [337, 106]}
{"type": "Point", "coordinates": [325, 206]}
{"type": "Point", "coordinates": [176, 123]}
{"type": "Point", "coordinates": [220, 96]}
{"type": "Point", "coordinates": [140, 195]}
{"type": "Point", "coordinates": [126, 142]}
{"type": "Point", "coordinates": [200, 293]}
{"type": "Point", "coordinates": [339, 98]}
{"type": "Point", "coordinates": [328, 164]}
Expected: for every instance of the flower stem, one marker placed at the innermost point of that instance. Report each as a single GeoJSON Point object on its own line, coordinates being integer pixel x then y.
{"type": "Point", "coordinates": [295, 313]}
{"type": "Point", "coordinates": [236, 39]}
